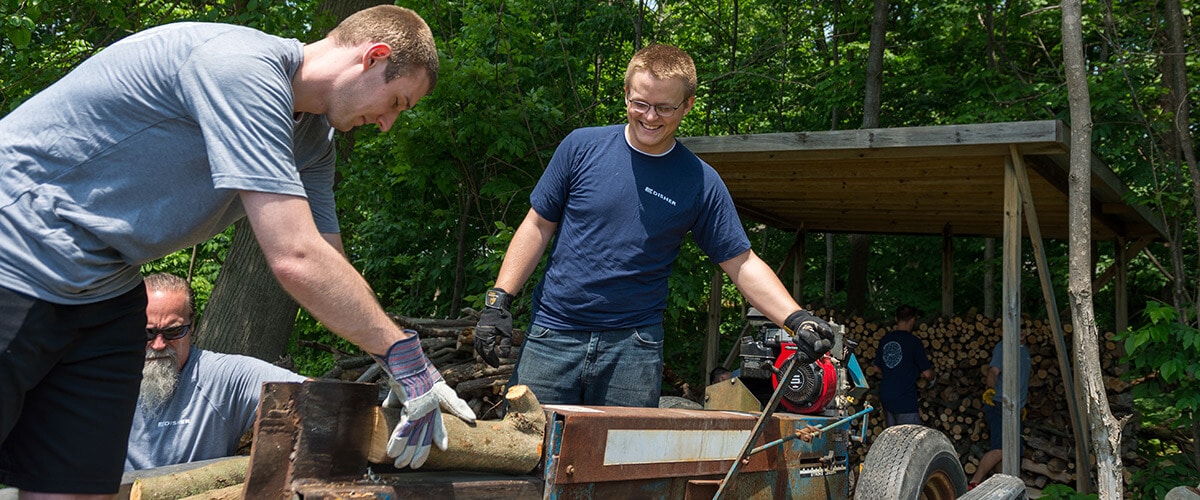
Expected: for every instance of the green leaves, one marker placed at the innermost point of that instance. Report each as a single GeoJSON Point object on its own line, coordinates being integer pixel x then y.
{"type": "Point", "coordinates": [1163, 345]}
{"type": "Point", "coordinates": [19, 30]}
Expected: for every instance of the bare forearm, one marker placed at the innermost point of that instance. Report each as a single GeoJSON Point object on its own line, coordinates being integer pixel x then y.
{"type": "Point", "coordinates": [524, 252]}
{"type": "Point", "coordinates": [992, 375]}
{"type": "Point", "coordinates": [312, 269]}
{"type": "Point", "coordinates": [335, 294]}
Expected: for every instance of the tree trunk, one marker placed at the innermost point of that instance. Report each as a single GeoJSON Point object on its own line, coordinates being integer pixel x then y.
{"type": "Point", "coordinates": [1178, 83]}
{"type": "Point", "coordinates": [874, 78]}
{"type": "Point", "coordinates": [860, 244]}
{"type": "Point", "coordinates": [1105, 430]}
{"type": "Point", "coordinates": [1176, 80]}
{"type": "Point", "coordinates": [248, 312]}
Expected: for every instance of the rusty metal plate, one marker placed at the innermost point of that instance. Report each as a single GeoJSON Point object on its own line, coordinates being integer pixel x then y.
{"type": "Point", "coordinates": [598, 444]}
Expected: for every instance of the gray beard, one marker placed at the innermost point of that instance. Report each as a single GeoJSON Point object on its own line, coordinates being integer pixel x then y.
{"type": "Point", "coordinates": [159, 378]}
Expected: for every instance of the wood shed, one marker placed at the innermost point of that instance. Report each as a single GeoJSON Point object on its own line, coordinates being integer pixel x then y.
{"type": "Point", "coordinates": [1004, 180]}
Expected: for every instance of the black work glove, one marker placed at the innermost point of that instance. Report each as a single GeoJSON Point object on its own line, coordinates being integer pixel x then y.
{"type": "Point", "coordinates": [493, 333]}
{"type": "Point", "coordinates": [814, 336]}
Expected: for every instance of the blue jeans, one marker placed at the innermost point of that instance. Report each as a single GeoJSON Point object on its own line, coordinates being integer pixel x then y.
{"type": "Point", "coordinates": [605, 368]}
{"type": "Point", "coordinates": [994, 417]}
{"type": "Point", "coordinates": [901, 418]}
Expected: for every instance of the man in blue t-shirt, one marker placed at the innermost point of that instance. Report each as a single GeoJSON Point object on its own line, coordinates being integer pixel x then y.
{"type": "Point", "coordinates": [154, 144]}
{"type": "Point", "coordinates": [614, 206]}
{"type": "Point", "coordinates": [901, 359]}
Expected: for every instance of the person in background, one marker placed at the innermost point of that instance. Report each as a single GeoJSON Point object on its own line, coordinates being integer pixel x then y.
{"type": "Point", "coordinates": [194, 404]}
{"type": "Point", "coordinates": [617, 202]}
{"type": "Point", "coordinates": [990, 462]}
{"type": "Point", "coordinates": [156, 143]}
{"type": "Point", "coordinates": [719, 374]}
{"type": "Point", "coordinates": [901, 360]}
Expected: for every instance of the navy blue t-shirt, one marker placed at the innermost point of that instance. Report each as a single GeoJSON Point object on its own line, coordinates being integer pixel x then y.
{"type": "Point", "coordinates": [901, 358]}
{"type": "Point", "coordinates": [622, 216]}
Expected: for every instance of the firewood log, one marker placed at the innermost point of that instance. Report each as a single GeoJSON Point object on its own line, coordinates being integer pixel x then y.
{"type": "Point", "coordinates": [1042, 470]}
{"type": "Point", "coordinates": [512, 445]}
{"type": "Point", "coordinates": [191, 482]}
{"type": "Point", "coordinates": [227, 493]}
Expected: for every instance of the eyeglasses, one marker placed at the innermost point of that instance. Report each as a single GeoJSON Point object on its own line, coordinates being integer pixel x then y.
{"type": "Point", "coordinates": [661, 109]}
{"type": "Point", "coordinates": [172, 333]}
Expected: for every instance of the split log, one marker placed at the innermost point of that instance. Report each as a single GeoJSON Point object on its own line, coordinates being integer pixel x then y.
{"type": "Point", "coordinates": [1043, 470]}
{"type": "Point", "coordinates": [512, 445]}
{"type": "Point", "coordinates": [191, 482]}
{"type": "Point", "coordinates": [1046, 446]}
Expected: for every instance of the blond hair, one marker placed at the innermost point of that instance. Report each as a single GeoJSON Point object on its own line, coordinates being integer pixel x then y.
{"type": "Point", "coordinates": [400, 28]}
{"type": "Point", "coordinates": [664, 62]}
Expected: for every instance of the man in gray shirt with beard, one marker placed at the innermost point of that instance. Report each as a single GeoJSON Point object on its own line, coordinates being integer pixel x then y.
{"type": "Point", "coordinates": [194, 404]}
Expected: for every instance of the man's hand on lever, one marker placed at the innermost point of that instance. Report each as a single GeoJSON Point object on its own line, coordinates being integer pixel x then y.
{"type": "Point", "coordinates": [815, 334]}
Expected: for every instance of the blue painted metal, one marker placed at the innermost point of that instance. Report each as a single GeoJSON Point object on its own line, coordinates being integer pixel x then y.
{"type": "Point", "coordinates": [858, 380]}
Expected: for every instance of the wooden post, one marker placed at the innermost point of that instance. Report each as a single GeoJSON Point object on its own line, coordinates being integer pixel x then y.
{"type": "Point", "coordinates": [989, 278]}
{"type": "Point", "coordinates": [1011, 322]}
{"type": "Point", "coordinates": [947, 271]}
{"type": "Point", "coordinates": [1065, 366]}
{"type": "Point", "coordinates": [829, 247]}
{"type": "Point", "coordinates": [798, 268]}
{"type": "Point", "coordinates": [712, 338]}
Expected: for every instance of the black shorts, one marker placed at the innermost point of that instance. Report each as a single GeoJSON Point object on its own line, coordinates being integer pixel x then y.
{"type": "Point", "coordinates": [69, 381]}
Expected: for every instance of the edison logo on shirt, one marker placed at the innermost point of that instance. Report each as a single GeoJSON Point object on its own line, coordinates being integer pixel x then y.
{"type": "Point", "coordinates": [173, 423]}
{"type": "Point", "coordinates": [660, 195]}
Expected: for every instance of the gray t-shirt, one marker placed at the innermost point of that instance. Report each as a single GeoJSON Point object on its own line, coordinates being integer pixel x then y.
{"type": "Point", "coordinates": [141, 151]}
{"type": "Point", "coordinates": [212, 407]}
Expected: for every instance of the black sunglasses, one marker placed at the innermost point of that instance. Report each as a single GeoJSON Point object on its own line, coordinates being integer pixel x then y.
{"type": "Point", "coordinates": [172, 333]}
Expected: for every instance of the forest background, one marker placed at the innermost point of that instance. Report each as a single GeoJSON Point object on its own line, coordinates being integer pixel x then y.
{"type": "Point", "coordinates": [427, 210]}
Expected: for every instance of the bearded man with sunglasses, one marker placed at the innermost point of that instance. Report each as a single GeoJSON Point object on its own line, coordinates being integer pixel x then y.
{"type": "Point", "coordinates": [194, 404]}
{"type": "Point", "coordinates": [618, 201]}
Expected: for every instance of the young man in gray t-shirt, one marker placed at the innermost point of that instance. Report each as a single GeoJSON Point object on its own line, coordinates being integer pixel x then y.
{"type": "Point", "coordinates": [156, 143]}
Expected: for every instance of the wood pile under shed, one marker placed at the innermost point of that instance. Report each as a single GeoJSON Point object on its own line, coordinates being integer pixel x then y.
{"type": "Point", "coordinates": [450, 345]}
{"type": "Point", "coordinates": [960, 350]}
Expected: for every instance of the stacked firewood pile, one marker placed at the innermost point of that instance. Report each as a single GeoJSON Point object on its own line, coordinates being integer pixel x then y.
{"type": "Point", "coordinates": [450, 345]}
{"type": "Point", "coordinates": [960, 350]}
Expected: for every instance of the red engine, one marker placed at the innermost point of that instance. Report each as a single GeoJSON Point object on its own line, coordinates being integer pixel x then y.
{"type": "Point", "coordinates": [812, 385]}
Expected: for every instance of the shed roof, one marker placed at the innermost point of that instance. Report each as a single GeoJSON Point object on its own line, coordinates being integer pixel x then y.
{"type": "Point", "coordinates": [913, 180]}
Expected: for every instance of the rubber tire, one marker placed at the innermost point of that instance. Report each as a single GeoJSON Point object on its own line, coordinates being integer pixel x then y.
{"type": "Point", "coordinates": [911, 462]}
